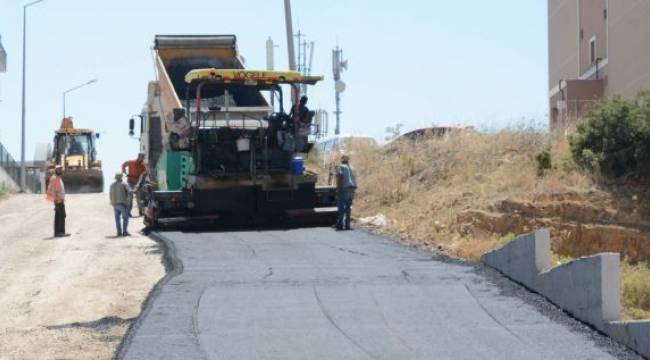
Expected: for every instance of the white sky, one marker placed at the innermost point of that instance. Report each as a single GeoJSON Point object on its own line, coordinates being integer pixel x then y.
{"type": "Point", "coordinates": [414, 62]}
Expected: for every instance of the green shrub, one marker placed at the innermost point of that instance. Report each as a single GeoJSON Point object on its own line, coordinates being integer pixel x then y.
{"type": "Point", "coordinates": [642, 145]}
{"type": "Point", "coordinates": [613, 138]}
{"type": "Point", "coordinates": [543, 161]}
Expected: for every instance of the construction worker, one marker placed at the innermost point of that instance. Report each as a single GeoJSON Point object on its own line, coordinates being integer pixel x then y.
{"type": "Point", "coordinates": [304, 120]}
{"type": "Point", "coordinates": [346, 185]}
{"type": "Point", "coordinates": [119, 195]}
{"type": "Point", "coordinates": [303, 110]}
{"type": "Point", "coordinates": [50, 172]}
{"type": "Point", "coordinates": [56, 194]}
{"type": "Point", "coordinates": [136, 170]}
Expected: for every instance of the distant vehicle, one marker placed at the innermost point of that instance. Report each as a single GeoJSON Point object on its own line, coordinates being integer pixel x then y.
{"type": "Point", "coordinates": [343, 143]}
{"type": "Point", "coordinates": [437, 131]}
{"type": "Point", "coordinates": [75, 150]}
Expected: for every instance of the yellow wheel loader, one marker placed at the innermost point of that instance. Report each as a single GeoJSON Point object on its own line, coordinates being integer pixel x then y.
{"type": "Point", "coordinates": [74, 150]}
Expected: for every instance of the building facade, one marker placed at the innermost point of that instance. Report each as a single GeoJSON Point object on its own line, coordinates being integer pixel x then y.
{"type": "Point", "coordinates": [597, 48]}
{"type": "Point", "coordinates": [3, 58]}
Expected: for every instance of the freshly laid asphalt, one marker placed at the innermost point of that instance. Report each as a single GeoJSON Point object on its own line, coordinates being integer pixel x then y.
{"type": "Point", "coordinates": [319, 294]}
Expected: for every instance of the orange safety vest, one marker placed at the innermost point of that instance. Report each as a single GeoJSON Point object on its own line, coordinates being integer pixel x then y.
{"type": "Point", "coordinates": [55, 192]}
{"type": "Point", "coordinates": [135, 170]}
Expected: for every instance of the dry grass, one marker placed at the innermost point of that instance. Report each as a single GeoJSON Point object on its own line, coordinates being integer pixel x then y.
{"type": "Point", "coordinates": [422, 186]}
{"type": "Point", "coordinates": [635, 291]}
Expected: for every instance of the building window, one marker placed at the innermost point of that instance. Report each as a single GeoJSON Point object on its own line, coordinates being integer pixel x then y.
{"type": "Point", "coordinates": [592, 50]}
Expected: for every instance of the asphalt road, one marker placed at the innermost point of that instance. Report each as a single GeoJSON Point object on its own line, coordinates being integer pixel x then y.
{"type": "Point", "coordinates": [318, 294]}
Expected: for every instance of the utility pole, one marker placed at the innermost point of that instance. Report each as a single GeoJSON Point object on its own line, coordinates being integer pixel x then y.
{"type": "Point", "coordinates": [290, 48]}
{"type": "Point", "coordinates": [289, 24]}
{"type": "Point", "coordinates": [338, 65]}
{"type": "Point", "coordinates": [23, 173]}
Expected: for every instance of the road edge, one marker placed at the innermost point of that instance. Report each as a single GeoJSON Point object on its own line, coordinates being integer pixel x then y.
{"type": "Point", "coordinates": [173, 266]}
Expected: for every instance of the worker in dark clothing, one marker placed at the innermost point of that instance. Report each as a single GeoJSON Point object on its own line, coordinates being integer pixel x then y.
{"type": "Point", "coordinates": [56, 195]}
{"type": "Point", "coordinates": [346, 185]}
{"type": "Point", "coordinates": [75, 148]}
{"type": "Point", "coordinates": [304, 118]}
{"type": "Point", "coordinates": [305, 115]}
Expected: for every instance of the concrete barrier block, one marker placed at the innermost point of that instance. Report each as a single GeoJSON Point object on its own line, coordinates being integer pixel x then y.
{"type": "Point", "coordinates": [587, 287]}
{"type": "Point", "coordinates": [523, 258]}
{"type": "Point", "coordinates": [611, 286]}
{"type": "Point", "coordinates": [634, 334]}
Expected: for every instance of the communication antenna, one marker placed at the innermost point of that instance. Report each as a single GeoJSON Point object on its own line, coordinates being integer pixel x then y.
{"type": "Point", "coordinates": [338, 66]}
{"type": "Point", "coordinates": [304, 63]}
{"type": "Point", "coordinates": [311, 57]}
{"type": "Point", "coordinates": [270, 62]}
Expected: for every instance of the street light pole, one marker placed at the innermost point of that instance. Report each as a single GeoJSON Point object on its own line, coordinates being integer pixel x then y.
{"type": "Point", "coordinates": [22, 144]}
{"type": "Point", "coordinates": [73, 89]}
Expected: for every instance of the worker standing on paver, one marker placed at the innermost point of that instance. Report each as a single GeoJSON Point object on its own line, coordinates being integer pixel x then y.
{"type": "Point", "coordinates": [304, 119]}
{"type": "Point", "coordinates": [346, 185]}
{"type": "Point", "coordinates": [119, 194]}
{"type": "Point", "coordinates": [56, 194]}
{"type": "Point", "coordinates": [136, 169]}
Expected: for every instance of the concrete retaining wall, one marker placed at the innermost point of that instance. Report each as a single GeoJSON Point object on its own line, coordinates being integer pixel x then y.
{"type": "Point", "coordinates": [634, 334]}
{"type": "Point", "coordinates": [588, 288]}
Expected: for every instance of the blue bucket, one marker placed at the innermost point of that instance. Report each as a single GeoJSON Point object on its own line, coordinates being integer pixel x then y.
{"type": "Point", "coordinates": [298, 165]}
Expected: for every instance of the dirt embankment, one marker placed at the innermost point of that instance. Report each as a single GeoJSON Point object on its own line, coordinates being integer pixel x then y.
{"type": "Point", "coordinates": [74, 297]}
{"type": "Point", "coordinates": [582, 223]}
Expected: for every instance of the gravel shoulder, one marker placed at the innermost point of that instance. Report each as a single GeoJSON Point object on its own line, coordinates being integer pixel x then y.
{"type": "Point", "coordinates": [74, 297]}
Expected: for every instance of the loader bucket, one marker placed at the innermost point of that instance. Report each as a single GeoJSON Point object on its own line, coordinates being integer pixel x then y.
{"type": "Point", "coordinates": [83, 181]}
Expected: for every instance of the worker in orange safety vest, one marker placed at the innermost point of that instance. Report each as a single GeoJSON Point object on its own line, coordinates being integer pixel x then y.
{"type": "Point", "coordinates": [56, 194]}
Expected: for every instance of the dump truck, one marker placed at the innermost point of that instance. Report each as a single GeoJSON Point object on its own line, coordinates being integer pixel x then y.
{"type": "Point", "coordinates": [217, 149]}
{"type": "Point", "coordinates": [75, 150]}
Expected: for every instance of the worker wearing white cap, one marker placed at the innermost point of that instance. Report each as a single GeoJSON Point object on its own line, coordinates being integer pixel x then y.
{"type": "Point", "coordinates": [119, 195]}
{"type": "Point", "coordinates": [346, 185]}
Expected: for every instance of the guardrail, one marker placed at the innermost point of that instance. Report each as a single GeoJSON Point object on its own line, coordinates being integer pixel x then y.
{"type": "Point", "coordinates": [12, 168]}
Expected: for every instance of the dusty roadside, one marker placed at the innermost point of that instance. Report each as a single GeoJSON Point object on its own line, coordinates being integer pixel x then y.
{"type": "Point", "coordinates": [69, 298]}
